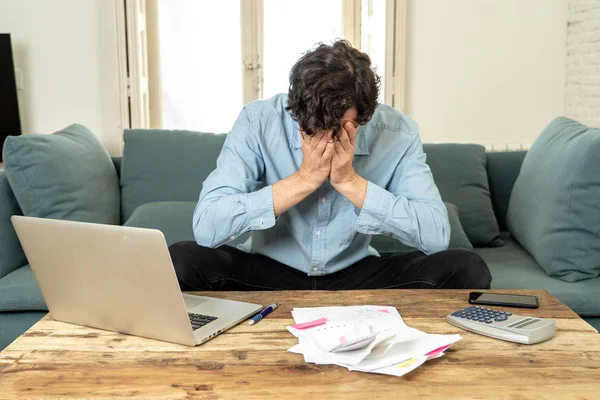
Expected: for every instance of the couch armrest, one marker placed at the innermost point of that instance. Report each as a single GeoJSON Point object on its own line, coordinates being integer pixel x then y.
{"type": "Point", "coordinates": [11, 252]}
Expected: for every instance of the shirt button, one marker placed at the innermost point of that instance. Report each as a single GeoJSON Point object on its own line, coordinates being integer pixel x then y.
{"type": "Point", "coordinates": [315, 269]}
{"type": "Point", "coordinates": [323, 200]}
{"type": "Point", "coordinates": [262, 222]}
{"type": "Point", "coordinates": [318, 233]}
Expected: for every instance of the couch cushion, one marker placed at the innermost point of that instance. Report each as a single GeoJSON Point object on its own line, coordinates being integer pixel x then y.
{"type": "Point", "coordinates": [162, 165]}
{"type": "Point", "coordinates": [11, 252]}
{"type": "Point", "coordinates": [554, 209]}
{"type": "Point", "coordinates": [65, 175]}
{"type": "Point", "coordinates": [19, 291]}
{"type": "Point", "coordinates": [593, 321]}
{"type": "Point", "coordinates": [173, 219]}
{"type": "Point", "coordinates": [458, 239]}
{"type": "Point", "coordinates": [513, 268]}
{"type": "Point", "coordinates": [14, 324]}
{"type": "Point", "coordinates": [459, 171]}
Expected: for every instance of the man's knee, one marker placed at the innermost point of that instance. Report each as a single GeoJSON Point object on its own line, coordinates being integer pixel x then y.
{"type": "Point", "coordinates": [181, 253]}
{"type": "Point", "coordinates": [184, 256]}
{"type": "Point", "coordinates": [472, 268]}
{"type": "Point", "coordinates": [463, 269]}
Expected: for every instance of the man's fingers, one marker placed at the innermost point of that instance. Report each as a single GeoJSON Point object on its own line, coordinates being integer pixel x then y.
{"type": "Point", "coordinates": [326, 136]}
{"type": "Point", "coordinates": [352, 132]}
{"type": "Point", "coordinates": [344, 136]}
{"type": "Point", "coordinates": [329, 151]}
{"type": "Point", "coordinates": [350, 128]}
{"type": "Point", "coordinates": [324, 140]}
{"type": "Point", "coordinates": [337, 150]}
{"type": "Point", "coordinates": [345, 141]}
{"type": "Point", "coordinates": [320, 148]}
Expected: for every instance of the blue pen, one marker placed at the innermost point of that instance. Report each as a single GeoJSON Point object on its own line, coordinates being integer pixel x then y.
{"type": "Point", "coordinates": [263, 314]}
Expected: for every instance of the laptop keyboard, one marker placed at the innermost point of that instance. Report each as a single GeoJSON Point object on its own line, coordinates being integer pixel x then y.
{"type": "Point", "coordinates": [199, 320]}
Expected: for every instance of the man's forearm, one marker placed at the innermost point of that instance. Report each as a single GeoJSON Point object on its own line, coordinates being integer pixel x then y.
{"type": "Point", "coordinates": [290, 191]}
{"type": "Point", "coordinates": [354, 189]}
{"type": "Point", "coordinates": [420, 222]}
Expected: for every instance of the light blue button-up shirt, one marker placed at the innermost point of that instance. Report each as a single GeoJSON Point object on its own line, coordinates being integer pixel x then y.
{"type": "Point", "coordinates": [324, 233]}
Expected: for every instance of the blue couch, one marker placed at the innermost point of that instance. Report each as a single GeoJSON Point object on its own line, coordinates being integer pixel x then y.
{"type": "Point", "coordinates": [160, 178]}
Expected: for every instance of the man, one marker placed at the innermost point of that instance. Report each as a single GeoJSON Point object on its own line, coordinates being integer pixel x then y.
{"type": "Point", "coordinates": [314, 175]}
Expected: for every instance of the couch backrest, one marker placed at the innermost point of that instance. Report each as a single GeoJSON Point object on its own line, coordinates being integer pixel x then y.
{"type": "Point", "coordinates": [163, 165]}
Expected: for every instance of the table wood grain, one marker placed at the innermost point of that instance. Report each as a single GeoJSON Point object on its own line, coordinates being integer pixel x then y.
{"type": "Point", "coordinates": [57, 360]}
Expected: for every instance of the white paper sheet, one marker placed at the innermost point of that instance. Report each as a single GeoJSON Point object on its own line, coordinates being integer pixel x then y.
{"type": "Point", "coordinates": [365, 338]}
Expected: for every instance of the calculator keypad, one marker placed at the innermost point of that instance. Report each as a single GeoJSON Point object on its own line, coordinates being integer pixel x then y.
{"type": "Point", "coordinates": [481, 314]}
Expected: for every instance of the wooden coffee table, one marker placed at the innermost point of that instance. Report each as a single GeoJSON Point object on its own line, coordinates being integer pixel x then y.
{"type": "Point", "coordinates": [58, 360]}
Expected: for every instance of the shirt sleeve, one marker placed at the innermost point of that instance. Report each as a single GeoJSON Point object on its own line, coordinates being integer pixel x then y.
{"type": "Point", "coordinates": [410, 209]}
{"type": "Point", "coordinates": [230, 204]}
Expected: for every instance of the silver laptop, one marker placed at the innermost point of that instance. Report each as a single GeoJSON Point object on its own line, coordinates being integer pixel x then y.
{"type": "Point", "coordinates": [120, 279]}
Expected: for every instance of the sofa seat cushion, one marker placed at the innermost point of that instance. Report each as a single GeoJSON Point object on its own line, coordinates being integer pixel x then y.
{"type": "Point", "coordinates": [386, 245]}
{"type": "Point", "coordinates": [19, 291]}
{"type": "Point", "coordinates": [14, 324]}
{"type": "Point", "coordinates": [459, 171]}
{"type": "Point", "coordinates": [513, 268]}
{"type": "Point", "coordinates": [66, 175]}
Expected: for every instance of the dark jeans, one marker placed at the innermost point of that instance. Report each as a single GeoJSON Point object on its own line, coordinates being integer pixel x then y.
{"type": "Point", "coordinates": [227, 268]}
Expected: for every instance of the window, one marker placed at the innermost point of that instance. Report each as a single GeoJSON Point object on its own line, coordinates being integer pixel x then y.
{"type": "Point", "coordinates": [217, 56]}
{"type": "Point", "coordinates": [373, 37]}
{"type": "Point", "coordinates": [200, 48]}
{"type": "Point", "coordinates": [286, 38]}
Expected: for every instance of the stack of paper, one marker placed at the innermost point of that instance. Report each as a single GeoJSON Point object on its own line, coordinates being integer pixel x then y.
{"type": "Point", "coordinates": [364, 338]}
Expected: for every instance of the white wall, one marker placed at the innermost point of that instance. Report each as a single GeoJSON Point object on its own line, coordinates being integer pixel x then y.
{"type": "Point", "coordinates": [67, 52]}
{"type": "Point", "coordinates": [582, 90]}
{"type": "Point", "coordinates": [485, 71]}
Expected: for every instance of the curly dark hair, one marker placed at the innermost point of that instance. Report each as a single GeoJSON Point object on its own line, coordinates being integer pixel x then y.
{"type": "Point", "coordinates": [328, 81]}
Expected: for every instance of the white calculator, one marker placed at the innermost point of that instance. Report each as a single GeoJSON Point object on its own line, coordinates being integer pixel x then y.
{"type": "Point", "coordinates": [503, 325]}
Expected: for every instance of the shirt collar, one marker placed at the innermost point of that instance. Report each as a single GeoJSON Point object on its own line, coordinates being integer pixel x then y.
{"type": "Point", "coordinates": [361, 148]}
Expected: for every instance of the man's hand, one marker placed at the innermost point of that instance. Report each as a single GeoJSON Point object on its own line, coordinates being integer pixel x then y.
{"type": "Point", "coordinates": [342, 170]}
{"type": "Point", "coordinates": [343, 177]}
{"type": "Point", "coordinates": [317, 151]}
